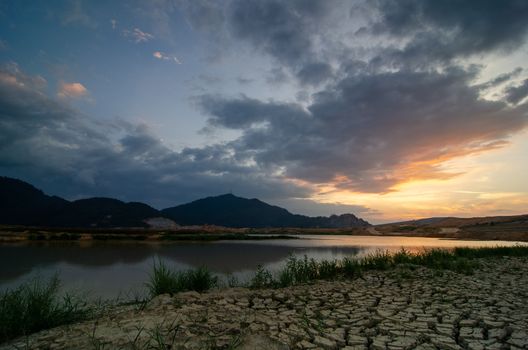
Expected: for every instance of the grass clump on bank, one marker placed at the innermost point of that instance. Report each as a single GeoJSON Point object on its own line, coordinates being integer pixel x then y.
{"type": "Point", "coordinates": [165, 281]}
{"type": "Point", "coordinates": [35, 306]}
{"type": "Point", "coordinates": [304, 270]}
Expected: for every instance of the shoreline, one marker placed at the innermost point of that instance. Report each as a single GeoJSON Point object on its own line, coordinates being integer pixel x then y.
{"type": "Point", "coordinates": [125, 237]}
{"type": "Point", "coordinates": [399, 308]}
{"type": "Point", "coordinates": [20, 234]}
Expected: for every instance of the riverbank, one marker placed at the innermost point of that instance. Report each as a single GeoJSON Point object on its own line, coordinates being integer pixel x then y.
{"type": "Point", "coordinates": [21, 234]}
{"type": "Point", "coordinates": [403, 307]}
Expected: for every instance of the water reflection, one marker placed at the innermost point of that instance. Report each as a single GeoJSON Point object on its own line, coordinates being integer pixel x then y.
{"type": "Point", "coordinates": [107, 269]}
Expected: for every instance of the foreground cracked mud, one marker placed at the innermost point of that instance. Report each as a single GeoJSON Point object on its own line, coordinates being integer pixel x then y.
{"type": "Point", "coordinates": [398, 309]}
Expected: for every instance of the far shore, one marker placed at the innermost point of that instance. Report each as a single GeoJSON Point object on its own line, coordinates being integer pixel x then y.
{"type": "Point", "coordinates": [18, 234]}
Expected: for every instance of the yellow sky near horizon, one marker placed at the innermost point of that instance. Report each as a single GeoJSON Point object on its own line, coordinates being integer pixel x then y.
{"type": "Point", "coordinates": [489, 184]}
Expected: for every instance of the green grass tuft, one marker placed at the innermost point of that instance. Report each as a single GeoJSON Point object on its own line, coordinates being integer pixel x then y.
{"type": "Point", "coordinates": [37, 305]}
{"type": "Point", "coordinates": [165, 281]}
{"type": "Point", "coordinates": [162, 280]}
{"type": "Point", "coordinates": [262, 279]}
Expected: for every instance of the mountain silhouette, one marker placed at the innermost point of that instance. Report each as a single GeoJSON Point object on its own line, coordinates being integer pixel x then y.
{"type": "Point", "coordinates": [232, 211]}
{"type": "Point", "coordinates": [23, 204]}
{"type": "Point", "coordinates": [104, 212]}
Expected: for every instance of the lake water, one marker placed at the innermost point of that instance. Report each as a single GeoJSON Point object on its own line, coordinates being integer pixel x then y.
{"type": "Point", "coordinates": [110, 270]}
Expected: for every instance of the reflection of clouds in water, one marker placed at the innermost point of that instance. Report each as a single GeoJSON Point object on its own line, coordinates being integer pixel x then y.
{"type": "Point", "coordinates": [108, 269]}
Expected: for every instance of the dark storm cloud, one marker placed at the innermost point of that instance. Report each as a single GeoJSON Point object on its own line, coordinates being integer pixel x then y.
{"type": "Point", "coordinates": [515, 94]}
{"type": "Point", "coordinates": [245, 112]}
{"type": "Point", "coordinates": [284, 29]}
{"type": "Point", "coordinates": [474, 26]}
{"type": "Point", "coordinates": [306, 36]}
{"type": "Point", "coordinates": [52, 145]}
{"type": "Point", "coordinates": [445, 30]}
{"type": "Point", "coordinates": [315, 73]}
{"type": "Point", "coordinates": [288, 31]}
{"type": "Point", "coordinates": [301, 36]}
{"type": "Point", "coordinates": [370, 132]}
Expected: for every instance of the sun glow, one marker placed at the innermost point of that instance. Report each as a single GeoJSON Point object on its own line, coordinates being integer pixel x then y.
{"type": "Point", "coordinates": [488, 184]}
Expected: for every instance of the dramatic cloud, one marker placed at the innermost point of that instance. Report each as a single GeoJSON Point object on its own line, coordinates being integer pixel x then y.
{"type": "Point", "coordinates": [398, 102]}
{"type": "Point", "coordinates": [165, 57]}
{"type": "Point", "coordinates": [244, 112]}
{"type": "Point", "coordinates": [137, 35]}
{"type": "Point", "coordinates": [72, 90]}
{"type": "Point", "coordinates": [368, 133]}
{"type": "Point", "coordinates": [284, 29]}
{"type": "Point", "coordinates": [55, 147]}
{"type": "Point", "coordinates": [292, 32]}
{"type": "Point", "coordinates": [446, 29]}
{"type": "Point", "coordinates": [310, 37]}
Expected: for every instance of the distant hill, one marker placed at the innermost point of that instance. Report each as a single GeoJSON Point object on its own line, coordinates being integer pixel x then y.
{"type": "Point", "coordinates": [454, 222]}
{"type": "Point", "coordinates": [420, 222]}
{"type": "Point", "coordinates": [232, 211]}
{"type": "Point", "coordinates": [104, 212]}
{"type": "Point", "coordinates": [23, 204]}
{"type": "Point", "coordinates": [513, 227]}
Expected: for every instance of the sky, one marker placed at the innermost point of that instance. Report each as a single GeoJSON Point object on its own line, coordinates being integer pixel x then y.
{"type": "Point", "coordinates": [388, 109]}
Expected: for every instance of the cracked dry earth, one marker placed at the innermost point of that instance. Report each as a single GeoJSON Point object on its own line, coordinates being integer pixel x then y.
{"type": "Point", "coordinates": [397, 309]}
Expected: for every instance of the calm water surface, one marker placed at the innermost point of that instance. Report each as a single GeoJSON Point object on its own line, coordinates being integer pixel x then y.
{"type": "Point", "coordinates": [110, 270]}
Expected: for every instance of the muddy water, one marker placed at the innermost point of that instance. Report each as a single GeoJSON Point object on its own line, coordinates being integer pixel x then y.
{"type": "Point", "coordinates": [110, 270]}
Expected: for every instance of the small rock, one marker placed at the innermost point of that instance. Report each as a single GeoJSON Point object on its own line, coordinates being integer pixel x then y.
{"type": "Point", "coordinates": [324, 342]}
